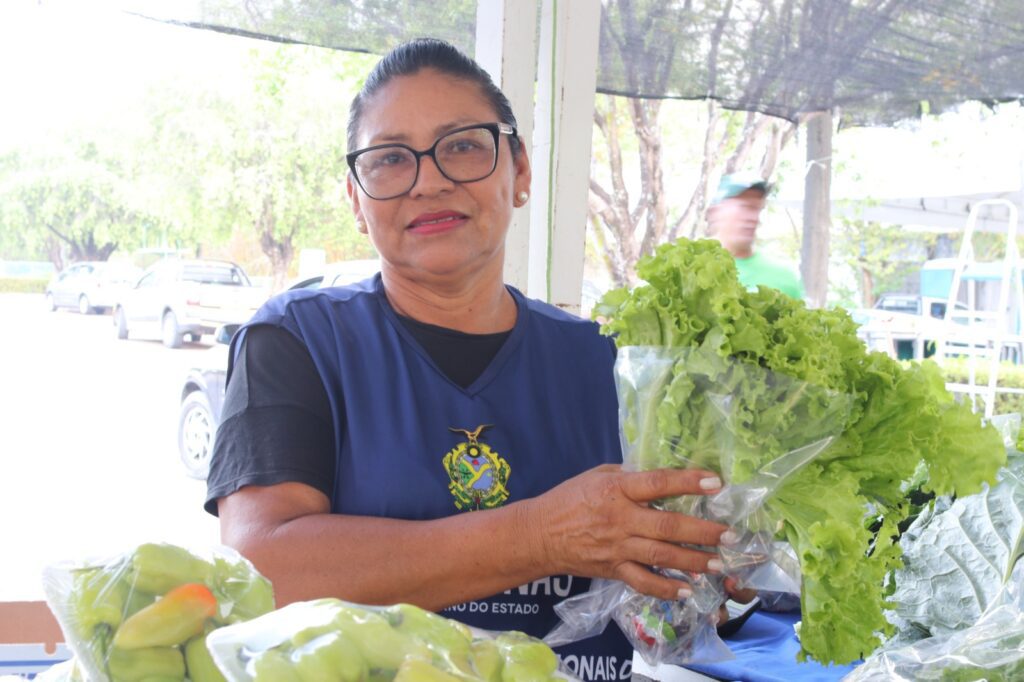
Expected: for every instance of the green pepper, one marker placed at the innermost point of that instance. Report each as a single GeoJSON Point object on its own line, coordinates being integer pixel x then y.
{"type": "Point", "coordinates": [97, 596]}
{"type": "Point", "coordinates": [174, 619]}
{"type": "Point", "coordinates": [419, 670]}
{"type": "Point", "coordinates": [449, 639]}
{"type": "Point", "coordinates": [159, 568]}
{"type": "Point", "coordinates": [97, 647]}
{"type": "Point", "coordinates": [487, 660]}
{"type": "Point", "coordinates": [330, 657]}
{"type": "Point", "coordinates": [140, 664]}
{"type": "Point", "coordinates": [242, 592]}
{"type": "Point", "coordinates": [273, 665]}
{"type": "Point", "coordinates": [381, 645]}
{"type": "Point", "coordinates": [136, 601]}
{"type": "Point", "coordinates": [526, 658]}
{"type": "Point", "coordinates": [199, 661]}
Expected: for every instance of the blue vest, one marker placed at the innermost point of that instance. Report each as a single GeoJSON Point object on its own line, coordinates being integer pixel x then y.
{"type": "Point", "coordinates": [411, 444]}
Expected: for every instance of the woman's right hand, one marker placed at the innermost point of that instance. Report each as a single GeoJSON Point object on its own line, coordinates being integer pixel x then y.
{"type": "Point", "coordinates": [599, 524]}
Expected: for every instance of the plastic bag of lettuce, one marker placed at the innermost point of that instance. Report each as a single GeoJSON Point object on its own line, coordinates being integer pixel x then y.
{"type": "Point", "coordinates": [329, 639]}
{"type": "Point", "coordinates": [691, 407]}
{"type": "Point", "coordinates": [840, 510]}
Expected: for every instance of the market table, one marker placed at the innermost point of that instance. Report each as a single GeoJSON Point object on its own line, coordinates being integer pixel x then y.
{"type": "Point", "coordinates": [765, 649]}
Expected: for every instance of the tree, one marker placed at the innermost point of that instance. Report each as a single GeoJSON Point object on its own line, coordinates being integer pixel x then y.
{"type": "Point", "coordinates": [358, 25]}
{"type": "Point", "coordinates": [639, 43]}
{"type": "Point", "coordinates": [286, 155]}
{"type": "Point", "coordinates": [627, 225]}
{"type": "Point", "coordinates": [882, 256]}
{"type": "Point", "coordinates": [76, 207]}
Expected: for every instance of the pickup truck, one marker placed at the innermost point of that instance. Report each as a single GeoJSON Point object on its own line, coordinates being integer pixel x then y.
{"type": "Point", "coordinates": [177, 298]}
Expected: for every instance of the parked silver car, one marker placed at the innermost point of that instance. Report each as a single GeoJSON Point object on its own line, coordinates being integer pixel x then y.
{"type": "Point", "coordinates": [177, 298]}
{"type": "Point", "coordinates": [90, 286]}
{"type": "Point", "coordinates": [202, 396]}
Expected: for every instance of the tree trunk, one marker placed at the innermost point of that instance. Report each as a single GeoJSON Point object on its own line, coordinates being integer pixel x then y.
{"type": "Point", "coordinates": [652, 202]}
{"type": "Point", "coordinates": [84, 249]}
{"type": "Point", "coordinates": [782, 132]}
{"type": "Point", "coordinates": [753, 130]}
{"type": "Point", "coordinates": [815, 246]}
{"type": "Point", "coordinates": [694, 212]}
{"type": "Point", "coordinates": [54, 252]}
{"type": "Point", "coordinates": [280, 251]}
{"type": "Point", "coordinates": [867, 286]}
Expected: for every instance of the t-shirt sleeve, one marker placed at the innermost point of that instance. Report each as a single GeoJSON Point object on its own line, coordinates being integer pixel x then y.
{"type": "Point", "coordinates": [276, 425]}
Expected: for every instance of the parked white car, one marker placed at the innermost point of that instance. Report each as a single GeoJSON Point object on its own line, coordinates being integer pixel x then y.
{"type": "Point", "coordinates": [175, 299]}
{"type": "Point", "coordinates": [90, 286]}
{"type": "Point", "coordinates": [339, 274]}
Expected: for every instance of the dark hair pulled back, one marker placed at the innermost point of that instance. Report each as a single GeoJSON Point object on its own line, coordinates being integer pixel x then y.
{"type": "Point", "coordinates": [429, 53]}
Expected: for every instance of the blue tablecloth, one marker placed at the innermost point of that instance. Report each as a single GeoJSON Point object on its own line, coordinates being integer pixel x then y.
{"type": "Point", "coordinates": [765, 649]}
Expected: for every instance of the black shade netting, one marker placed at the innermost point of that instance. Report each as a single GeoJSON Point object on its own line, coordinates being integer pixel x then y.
{"type": "Point", "coordinates": [876, 61]}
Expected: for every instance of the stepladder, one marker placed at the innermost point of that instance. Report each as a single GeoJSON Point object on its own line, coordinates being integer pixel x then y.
{"type": "Point", "coordinates": [983, 318]}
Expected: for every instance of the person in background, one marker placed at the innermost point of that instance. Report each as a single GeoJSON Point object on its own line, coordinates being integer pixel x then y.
{"type": "Point", "coordinates": [733, 219]}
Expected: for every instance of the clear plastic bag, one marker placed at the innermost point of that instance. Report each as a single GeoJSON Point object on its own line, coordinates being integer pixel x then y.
{"type": "Point", "coordinates": [692, 408]}
{"type": "Point", "coordinates": [67, 671]}
{"type": "Point", "coordinates": [146, 612]}
{"type": "Point", "coordinates": [352, 642]}
{"type": "Point", "coordinates": [1008, 426]}
{"type": "Point", "coordinates": [992, 649]}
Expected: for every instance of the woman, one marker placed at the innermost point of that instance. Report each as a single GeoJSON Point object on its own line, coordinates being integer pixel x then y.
{"type": "Point", "coordinates": [431, 436]}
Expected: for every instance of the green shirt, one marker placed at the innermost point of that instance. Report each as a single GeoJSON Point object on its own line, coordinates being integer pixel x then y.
{"type": "Point", "coordinates": [760, 269]}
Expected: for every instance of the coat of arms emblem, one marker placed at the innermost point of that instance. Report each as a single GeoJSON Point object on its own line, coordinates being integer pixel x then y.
{"type": "Point", "coordinates": [478, 474]}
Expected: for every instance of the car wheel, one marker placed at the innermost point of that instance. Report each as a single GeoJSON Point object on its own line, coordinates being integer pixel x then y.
{"type": "Point", "coordinates": [121, 323]}
{"type": "Point", "coordinates": [84, 306]}
{"type": "Point", "coordinates": [51, 305]}
{"type": "Point", "coordinates": [196, 433]}
{"type": "Point", "coordinates": [170, 334]}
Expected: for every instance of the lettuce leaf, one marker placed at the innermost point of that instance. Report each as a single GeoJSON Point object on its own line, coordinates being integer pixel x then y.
{"type": "Point", "coordinates": [896, 422]}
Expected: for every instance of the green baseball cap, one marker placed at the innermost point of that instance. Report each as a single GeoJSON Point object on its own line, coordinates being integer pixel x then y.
{"type": "Point", "coordinates": [736, 184]}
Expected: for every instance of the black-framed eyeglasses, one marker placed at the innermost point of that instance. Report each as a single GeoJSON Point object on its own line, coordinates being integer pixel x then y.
{"type": "Point", "coordinates": [467, 154]}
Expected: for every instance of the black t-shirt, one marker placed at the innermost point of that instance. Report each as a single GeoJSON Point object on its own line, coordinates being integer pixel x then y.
{"type": "Point", "coordinates": [276, 423]}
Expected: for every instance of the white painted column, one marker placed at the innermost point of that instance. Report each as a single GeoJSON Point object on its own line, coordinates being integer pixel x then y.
{"type": "Point", "coordinates": [506, 46]}
{"type": "Point", "coordinates": [563, 125]}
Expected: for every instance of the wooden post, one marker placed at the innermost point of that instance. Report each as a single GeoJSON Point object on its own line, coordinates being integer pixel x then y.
{"type": "Point", "coordinates": [563, 128]}
{"type": "Point", "coordinates": [506, 46]}
{"type": "Point", "coordinates": [814, 249]}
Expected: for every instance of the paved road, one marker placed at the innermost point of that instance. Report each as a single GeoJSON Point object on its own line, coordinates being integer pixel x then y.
{"type": "Point", "coordinates": [88, 450]}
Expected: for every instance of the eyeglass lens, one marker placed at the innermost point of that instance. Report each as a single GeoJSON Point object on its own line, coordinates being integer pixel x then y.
{"type": "Point", "coordinates": [462, 156]}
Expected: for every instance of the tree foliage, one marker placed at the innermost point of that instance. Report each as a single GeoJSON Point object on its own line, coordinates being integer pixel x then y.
{"type": "Point", "coordinates": [199, 165]}
{"type": "Point", "coordinates": [358, 25]}
{"type": "Point", "coordinates": [882, 256]}
{"type": "Point", "coordinates": [285, 159]}
{"type": "Point", "coordinates": [74, 206]}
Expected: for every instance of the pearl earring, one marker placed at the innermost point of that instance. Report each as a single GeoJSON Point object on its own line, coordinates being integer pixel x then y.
{"type": "Point", "coordinates": [522, 197]}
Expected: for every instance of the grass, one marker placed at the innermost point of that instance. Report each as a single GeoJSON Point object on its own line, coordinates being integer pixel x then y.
{"type": "Point", "coordinates": [22, 285]}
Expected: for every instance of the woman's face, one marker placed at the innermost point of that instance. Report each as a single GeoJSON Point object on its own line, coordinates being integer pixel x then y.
{"type": "Point", "coordinates": [440, 228]}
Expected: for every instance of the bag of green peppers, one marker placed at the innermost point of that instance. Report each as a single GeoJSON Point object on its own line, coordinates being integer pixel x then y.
{"type": "Point", "coordinates": [145, 614]}
{"type": "Point", "coordinates": [328, 639]}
